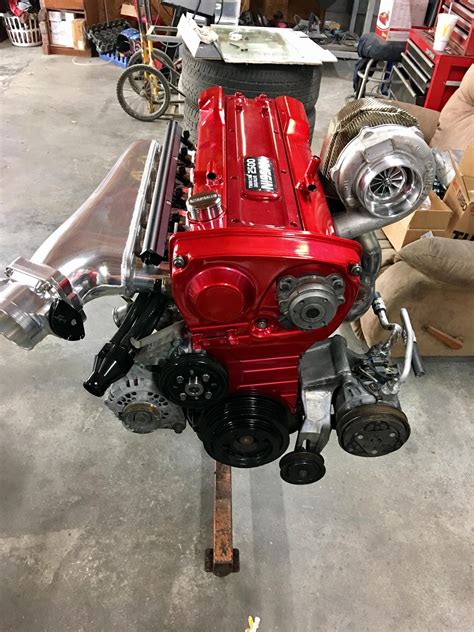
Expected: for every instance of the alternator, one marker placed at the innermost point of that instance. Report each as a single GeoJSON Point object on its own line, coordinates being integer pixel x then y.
{"type": "Point", "coordinates": [137, 402]}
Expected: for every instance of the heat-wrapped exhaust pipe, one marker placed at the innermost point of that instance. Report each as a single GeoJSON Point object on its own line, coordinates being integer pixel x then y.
{"type": "Point", "coordinates": [370, 266]}
{"type": "Point", "coordinates": [92, 254]}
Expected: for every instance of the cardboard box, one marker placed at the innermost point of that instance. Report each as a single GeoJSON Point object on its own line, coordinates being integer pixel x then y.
{"type": "Point", "coordinates": [460, 198]}
{"type": "Point", "coordinates": [61, 33]}
{"type": "Point", "coordinates": [60, 16]}
{"type": "Point", "coordinates": [400, 236]}
{"type": "Point", "coordinates": [128, 10]}
{"type": "Point", "coordinates": [54, 16]}
{"type": "Point", "coordinates": [61, 28]}
{"type": "Point", "coordinates": [79, 39]}
{"type": "Point", "coordinates": [431, 222]}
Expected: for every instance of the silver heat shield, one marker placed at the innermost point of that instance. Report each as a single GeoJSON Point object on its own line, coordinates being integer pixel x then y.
{"type": "Point", "coordinates": [375, 160]}
{"type": "Point", "coordinates": [92, 254]}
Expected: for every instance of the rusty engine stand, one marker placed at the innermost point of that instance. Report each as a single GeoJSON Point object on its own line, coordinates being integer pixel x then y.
{"type": "Point", "coordinates": [222, 559]}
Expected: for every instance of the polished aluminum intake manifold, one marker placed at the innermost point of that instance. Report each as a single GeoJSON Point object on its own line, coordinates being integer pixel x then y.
{"type": "Point", "coordinates": [92, 254]}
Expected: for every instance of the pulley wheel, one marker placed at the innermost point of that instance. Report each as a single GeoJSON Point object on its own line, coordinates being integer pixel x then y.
{"type": "Point", "coordinates": [193, 380]}
{"type": "Point", "coordinates": [141, 417]}
{"type": "Point", "coordinates": [302, 468]}
{"type": "Point", "coordinates": [372, 430]}
{"type": "Point", "coordinates": [245, 431]}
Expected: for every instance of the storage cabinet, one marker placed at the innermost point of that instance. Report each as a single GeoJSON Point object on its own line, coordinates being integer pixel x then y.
{"type": "Point", "coordinates": [93, 11]}
{"type": "Point", "coordinates": [88, 9]}
{"type": "Point", "coordinates": [426, 77]}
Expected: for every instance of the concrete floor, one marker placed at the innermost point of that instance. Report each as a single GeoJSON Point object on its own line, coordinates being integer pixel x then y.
{"type": "Point", "coordinates": [103, 530]}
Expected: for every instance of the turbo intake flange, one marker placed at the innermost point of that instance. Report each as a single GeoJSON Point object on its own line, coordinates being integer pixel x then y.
{"type": "Point", "coordinates": [386, 170]}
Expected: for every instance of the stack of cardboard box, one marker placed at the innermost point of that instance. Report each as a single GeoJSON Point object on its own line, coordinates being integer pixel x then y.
{"type": "Point", "coordinates": [452, 217]}
{"type": "Point", "coordinates": [67, 29]}
{"type": "Point", "coordinates": [460, 198]}
{"type": "Point", "coordinates": [430, 220]}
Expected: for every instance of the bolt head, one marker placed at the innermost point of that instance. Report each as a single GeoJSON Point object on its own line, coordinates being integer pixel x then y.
{"type": "Point", "coordinates": [338, 284]}
{"type": "Point", "coordinates": [356, 270]}
{"type": "Point", "coordinates": [179, 379]}
{"type": "Point", "coordinates": [205, 377]}
{"type": "Point", "coordinates": [262, 323]}
{"type": "Point", "coordinates": [182, 396]}
{"type": "Point", "coordinates": [179, 262]}
{"type": "Point", "coordinates": [208, 395]}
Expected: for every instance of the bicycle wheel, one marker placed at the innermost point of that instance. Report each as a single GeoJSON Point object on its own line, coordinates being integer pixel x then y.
{"type": "Point", "coordinates": [162, 62]}
{"type": "Point", "coordinates": [153, 97]}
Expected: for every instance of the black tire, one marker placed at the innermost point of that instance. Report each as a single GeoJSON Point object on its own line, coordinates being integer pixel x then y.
{"type": "Point", "coordinates": [301, 82]}
{"type": "Point", "coordinates": [125, 84]}
{"type": "Point", "coordinates": [191, 120]}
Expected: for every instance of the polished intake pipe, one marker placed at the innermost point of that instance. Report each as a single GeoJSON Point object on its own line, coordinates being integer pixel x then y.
{"type": "Point", "coordinates": [92, 254]}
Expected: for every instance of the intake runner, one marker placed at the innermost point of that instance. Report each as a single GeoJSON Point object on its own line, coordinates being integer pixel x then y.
{"type": "Point", "coordinates": [237, 264]}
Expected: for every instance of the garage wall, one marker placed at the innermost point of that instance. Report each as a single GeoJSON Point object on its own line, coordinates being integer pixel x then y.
{"type": "Point", "coordinates": [114, 6]}
{"type": "Point", "coordinates": [341, 11]}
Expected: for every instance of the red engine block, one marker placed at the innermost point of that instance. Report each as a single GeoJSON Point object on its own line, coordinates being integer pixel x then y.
{"type": "Point", "coordinates": [274, 222]}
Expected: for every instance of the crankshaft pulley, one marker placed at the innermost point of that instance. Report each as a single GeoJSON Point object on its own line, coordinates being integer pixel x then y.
{"type": "Point", "coordinates": [245, 430]}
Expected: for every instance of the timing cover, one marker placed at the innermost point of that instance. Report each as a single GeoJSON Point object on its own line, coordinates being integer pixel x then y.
{"type": "Point", "coordinates": [273, 222]}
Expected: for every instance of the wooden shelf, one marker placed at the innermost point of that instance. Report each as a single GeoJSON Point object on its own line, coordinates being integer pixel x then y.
{"type": "Point", "coordinates": [93, 11]}
{"type": "Point", "coordinates": [64, 5]}
{"type": "Point", "coordinates": [54, 49]}
{"type": "Point", "coordinates": [87, 8]}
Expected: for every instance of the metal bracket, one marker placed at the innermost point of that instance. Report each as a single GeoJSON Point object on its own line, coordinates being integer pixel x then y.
{"type": "Point", "coordinates": [316, 428]}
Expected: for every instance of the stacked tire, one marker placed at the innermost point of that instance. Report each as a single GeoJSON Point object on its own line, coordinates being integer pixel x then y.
{"type": "Point", "coordinates": [274, 80]}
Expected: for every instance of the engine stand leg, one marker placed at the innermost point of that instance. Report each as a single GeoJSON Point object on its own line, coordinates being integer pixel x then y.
{"type": "Point", "coordinates": [222, 559]}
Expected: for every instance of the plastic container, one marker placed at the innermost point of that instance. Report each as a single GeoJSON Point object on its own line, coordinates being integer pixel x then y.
{"type": "Point", "coordinates": [104, 35]}
{"type": "Point", "coordinates": [444, 29]}
{"type": "Point", "coordinates": [23, 33]}
{"type": "Point", "coordinates": [128, 41]}
{"type": "Point", "coordinates": [116, 59]}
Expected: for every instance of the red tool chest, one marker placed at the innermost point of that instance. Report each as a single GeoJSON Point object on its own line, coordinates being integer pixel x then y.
{"type": "Point", "coordinates": [425, 76]}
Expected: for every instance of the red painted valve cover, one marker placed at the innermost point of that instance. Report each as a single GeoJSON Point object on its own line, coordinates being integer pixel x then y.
{"type": "Point", "coordinates": [274, 222]}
